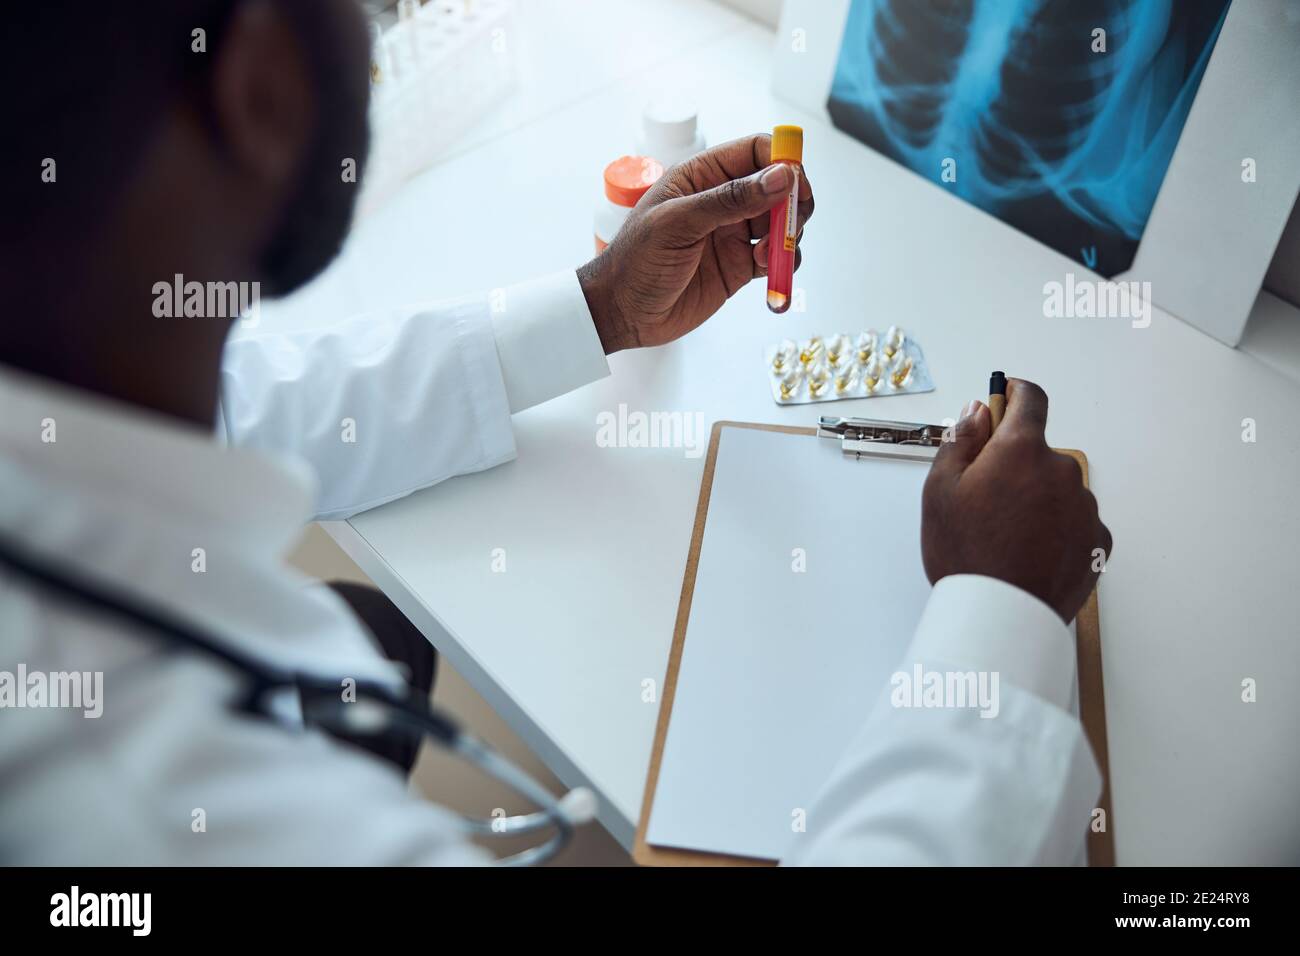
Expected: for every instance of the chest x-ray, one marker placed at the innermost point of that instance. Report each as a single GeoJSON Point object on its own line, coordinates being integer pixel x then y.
{"type": "Point", "coordinates": [1056, 116]}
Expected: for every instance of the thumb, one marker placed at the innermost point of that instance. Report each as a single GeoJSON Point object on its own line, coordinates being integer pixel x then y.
{"type": "Point", "coordinates": [735, 200]}
{"type": "Point", "coordinates": [969, 436]}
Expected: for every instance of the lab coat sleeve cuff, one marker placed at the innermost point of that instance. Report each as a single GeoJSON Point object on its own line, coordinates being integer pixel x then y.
{"type": "Point", "coordinates": [977, 623]}
{"type": "Point", "coordinates": [546, 339]}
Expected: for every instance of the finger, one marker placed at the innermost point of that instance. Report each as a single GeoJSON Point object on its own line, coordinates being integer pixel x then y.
{"type": "Point", "coordinates": [1026, 408]}
{"type": "Point", "coordinates": [734, 201]}
{"type": "Point", "coordinates": [1071, 468]}
{"type": "Point", "coordinates": [760, 257]}
{"type": "Point", "coordinates": [735, 159]}
{"type": "Point", "coordinates": [763, 245]}
{"type": "Point", "coordinates": [759, 225]}
{"type": "Point", "coordinates": [969, 436]}
{"type": "Point", "coordinates": [711, 168]}
{"type": "Point", "coordinates": [1101, 533]}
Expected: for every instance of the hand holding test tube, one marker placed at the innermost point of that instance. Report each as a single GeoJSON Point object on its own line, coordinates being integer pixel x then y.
{"type": "Point", "coordinates": [695, 239]}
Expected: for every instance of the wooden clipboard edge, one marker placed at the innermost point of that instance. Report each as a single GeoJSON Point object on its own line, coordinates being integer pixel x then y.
{"type": "Point", "coordinates": [1101, 850]}
{"type": "Point", "coordinates": [1092, 703]}
{"type": "Point", "coordinates": [643, 852]}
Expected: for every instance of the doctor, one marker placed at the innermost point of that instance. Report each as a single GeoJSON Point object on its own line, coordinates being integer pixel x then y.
{"type": "Point", "coordinates": [223, 167]}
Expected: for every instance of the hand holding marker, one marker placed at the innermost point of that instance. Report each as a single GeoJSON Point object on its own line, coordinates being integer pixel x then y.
{"type": "Point", "coordinates": [1005, 505]}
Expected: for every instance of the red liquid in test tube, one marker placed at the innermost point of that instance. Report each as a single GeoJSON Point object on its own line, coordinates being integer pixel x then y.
{"type": "Point", "coordinates": [783, 231]}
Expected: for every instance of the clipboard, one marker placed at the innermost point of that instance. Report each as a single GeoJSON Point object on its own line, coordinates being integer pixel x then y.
{"type": "Point", "coordinates": [864, 438]}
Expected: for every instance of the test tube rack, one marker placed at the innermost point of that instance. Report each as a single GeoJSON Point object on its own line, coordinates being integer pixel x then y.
{"type": "Point", "coordinates": [434, 73]}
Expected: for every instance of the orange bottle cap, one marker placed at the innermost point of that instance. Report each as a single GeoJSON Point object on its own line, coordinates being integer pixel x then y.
{"type": "Point", "coordinates": [628, 177]}
{"type": "Point", "coordinates": [787, 144]}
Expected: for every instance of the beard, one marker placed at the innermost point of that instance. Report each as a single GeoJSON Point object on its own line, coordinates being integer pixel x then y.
{"type": "Point", "coordinates": [316, 217]}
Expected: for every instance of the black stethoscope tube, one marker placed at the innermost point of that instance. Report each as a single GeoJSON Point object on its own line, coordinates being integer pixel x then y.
{"type": "Point", "coordinates": [376, 707]}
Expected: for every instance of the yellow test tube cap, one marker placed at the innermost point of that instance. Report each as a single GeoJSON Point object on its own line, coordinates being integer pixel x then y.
{"type": "Point", "coordinates": [787, 143]}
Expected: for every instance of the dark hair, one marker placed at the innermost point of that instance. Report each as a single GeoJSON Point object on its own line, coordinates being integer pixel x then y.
{"type": "Point", "coordinates": [87, 82]}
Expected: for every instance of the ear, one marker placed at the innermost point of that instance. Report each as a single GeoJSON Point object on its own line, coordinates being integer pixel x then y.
{"type": "Point", "coordinates": [263, 97]}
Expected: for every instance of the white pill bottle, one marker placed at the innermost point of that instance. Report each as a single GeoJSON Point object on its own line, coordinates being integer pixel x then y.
{"type": "Point", "coordinates": [670, 130]}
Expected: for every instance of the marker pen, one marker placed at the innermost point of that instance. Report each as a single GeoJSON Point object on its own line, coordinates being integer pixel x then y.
{"type": "Point", "coordinates": [997, 398]}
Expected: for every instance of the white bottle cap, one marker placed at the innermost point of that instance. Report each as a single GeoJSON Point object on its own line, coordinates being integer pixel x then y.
{"type": "Point", "coordinates": [670, 120]}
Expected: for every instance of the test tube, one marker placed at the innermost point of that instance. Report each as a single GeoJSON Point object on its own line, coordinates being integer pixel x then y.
{"type": "Point", "coordinates": [783, 227]}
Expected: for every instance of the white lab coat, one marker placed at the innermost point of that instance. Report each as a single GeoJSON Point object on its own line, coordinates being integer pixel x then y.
{"type": "Point", "coordinates": [328, 423]}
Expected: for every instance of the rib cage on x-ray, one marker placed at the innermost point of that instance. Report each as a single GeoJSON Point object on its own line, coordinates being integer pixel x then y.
{"type": "Point", "coordinates": [1038, 125]}
{"type": "Point", "coordinates": [1052, 89]}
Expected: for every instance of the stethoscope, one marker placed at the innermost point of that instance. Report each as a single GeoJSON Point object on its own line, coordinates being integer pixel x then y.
{"type": "Point", "coordinates": [375, 708]}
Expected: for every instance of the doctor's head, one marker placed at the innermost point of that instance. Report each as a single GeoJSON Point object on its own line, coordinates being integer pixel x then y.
{"type": "Point", "coordinates": [202, 137]}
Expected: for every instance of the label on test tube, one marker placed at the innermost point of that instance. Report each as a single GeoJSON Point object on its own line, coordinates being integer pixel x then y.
{"type": "Point", "coordinates": [792, 212]}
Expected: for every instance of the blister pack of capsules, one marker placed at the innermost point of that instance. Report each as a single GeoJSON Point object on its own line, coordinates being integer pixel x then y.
{"type": "Point", "coordinates": [841, 366]}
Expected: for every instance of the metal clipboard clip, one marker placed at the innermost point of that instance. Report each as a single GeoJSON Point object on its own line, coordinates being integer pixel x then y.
{"type": "Point", "coordinates": [859, 436]}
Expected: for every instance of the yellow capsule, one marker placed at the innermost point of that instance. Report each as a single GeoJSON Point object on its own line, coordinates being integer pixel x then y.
{"type": "Point", "coordinates": [871, 376]}
{"type": "Point", "coordinates": [818, 379]}
{"type": "Point", "coordinates": [893, 341]}
{"type": "Point", "coordinates": [789, 384]}
{"type": "Point", "coordinates": [812, 350]}
{"type": "Point", "coordinates": [784, 357]}
{"type": "Point", "coordinates": [836, 349]}
{"type": "Point", "coordinates": [845, 378]}
{"type": "Point", "coordinates": [866, 347]}
{"type": "Point", "coordinates": [899, 376]}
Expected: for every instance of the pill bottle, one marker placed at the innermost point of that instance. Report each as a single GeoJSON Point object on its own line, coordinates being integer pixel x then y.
{"type": "Point", "coordinates": [626, 181]}
{"type": "Point", "coordinates": [670, 130]}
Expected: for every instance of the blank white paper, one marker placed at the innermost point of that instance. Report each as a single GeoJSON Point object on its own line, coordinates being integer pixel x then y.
{"type": "Point", "coordinates": [781, 667]}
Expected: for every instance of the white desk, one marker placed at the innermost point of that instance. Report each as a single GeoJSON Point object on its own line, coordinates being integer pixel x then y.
{"type": "Point", "coordinates": [1200, 593]}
